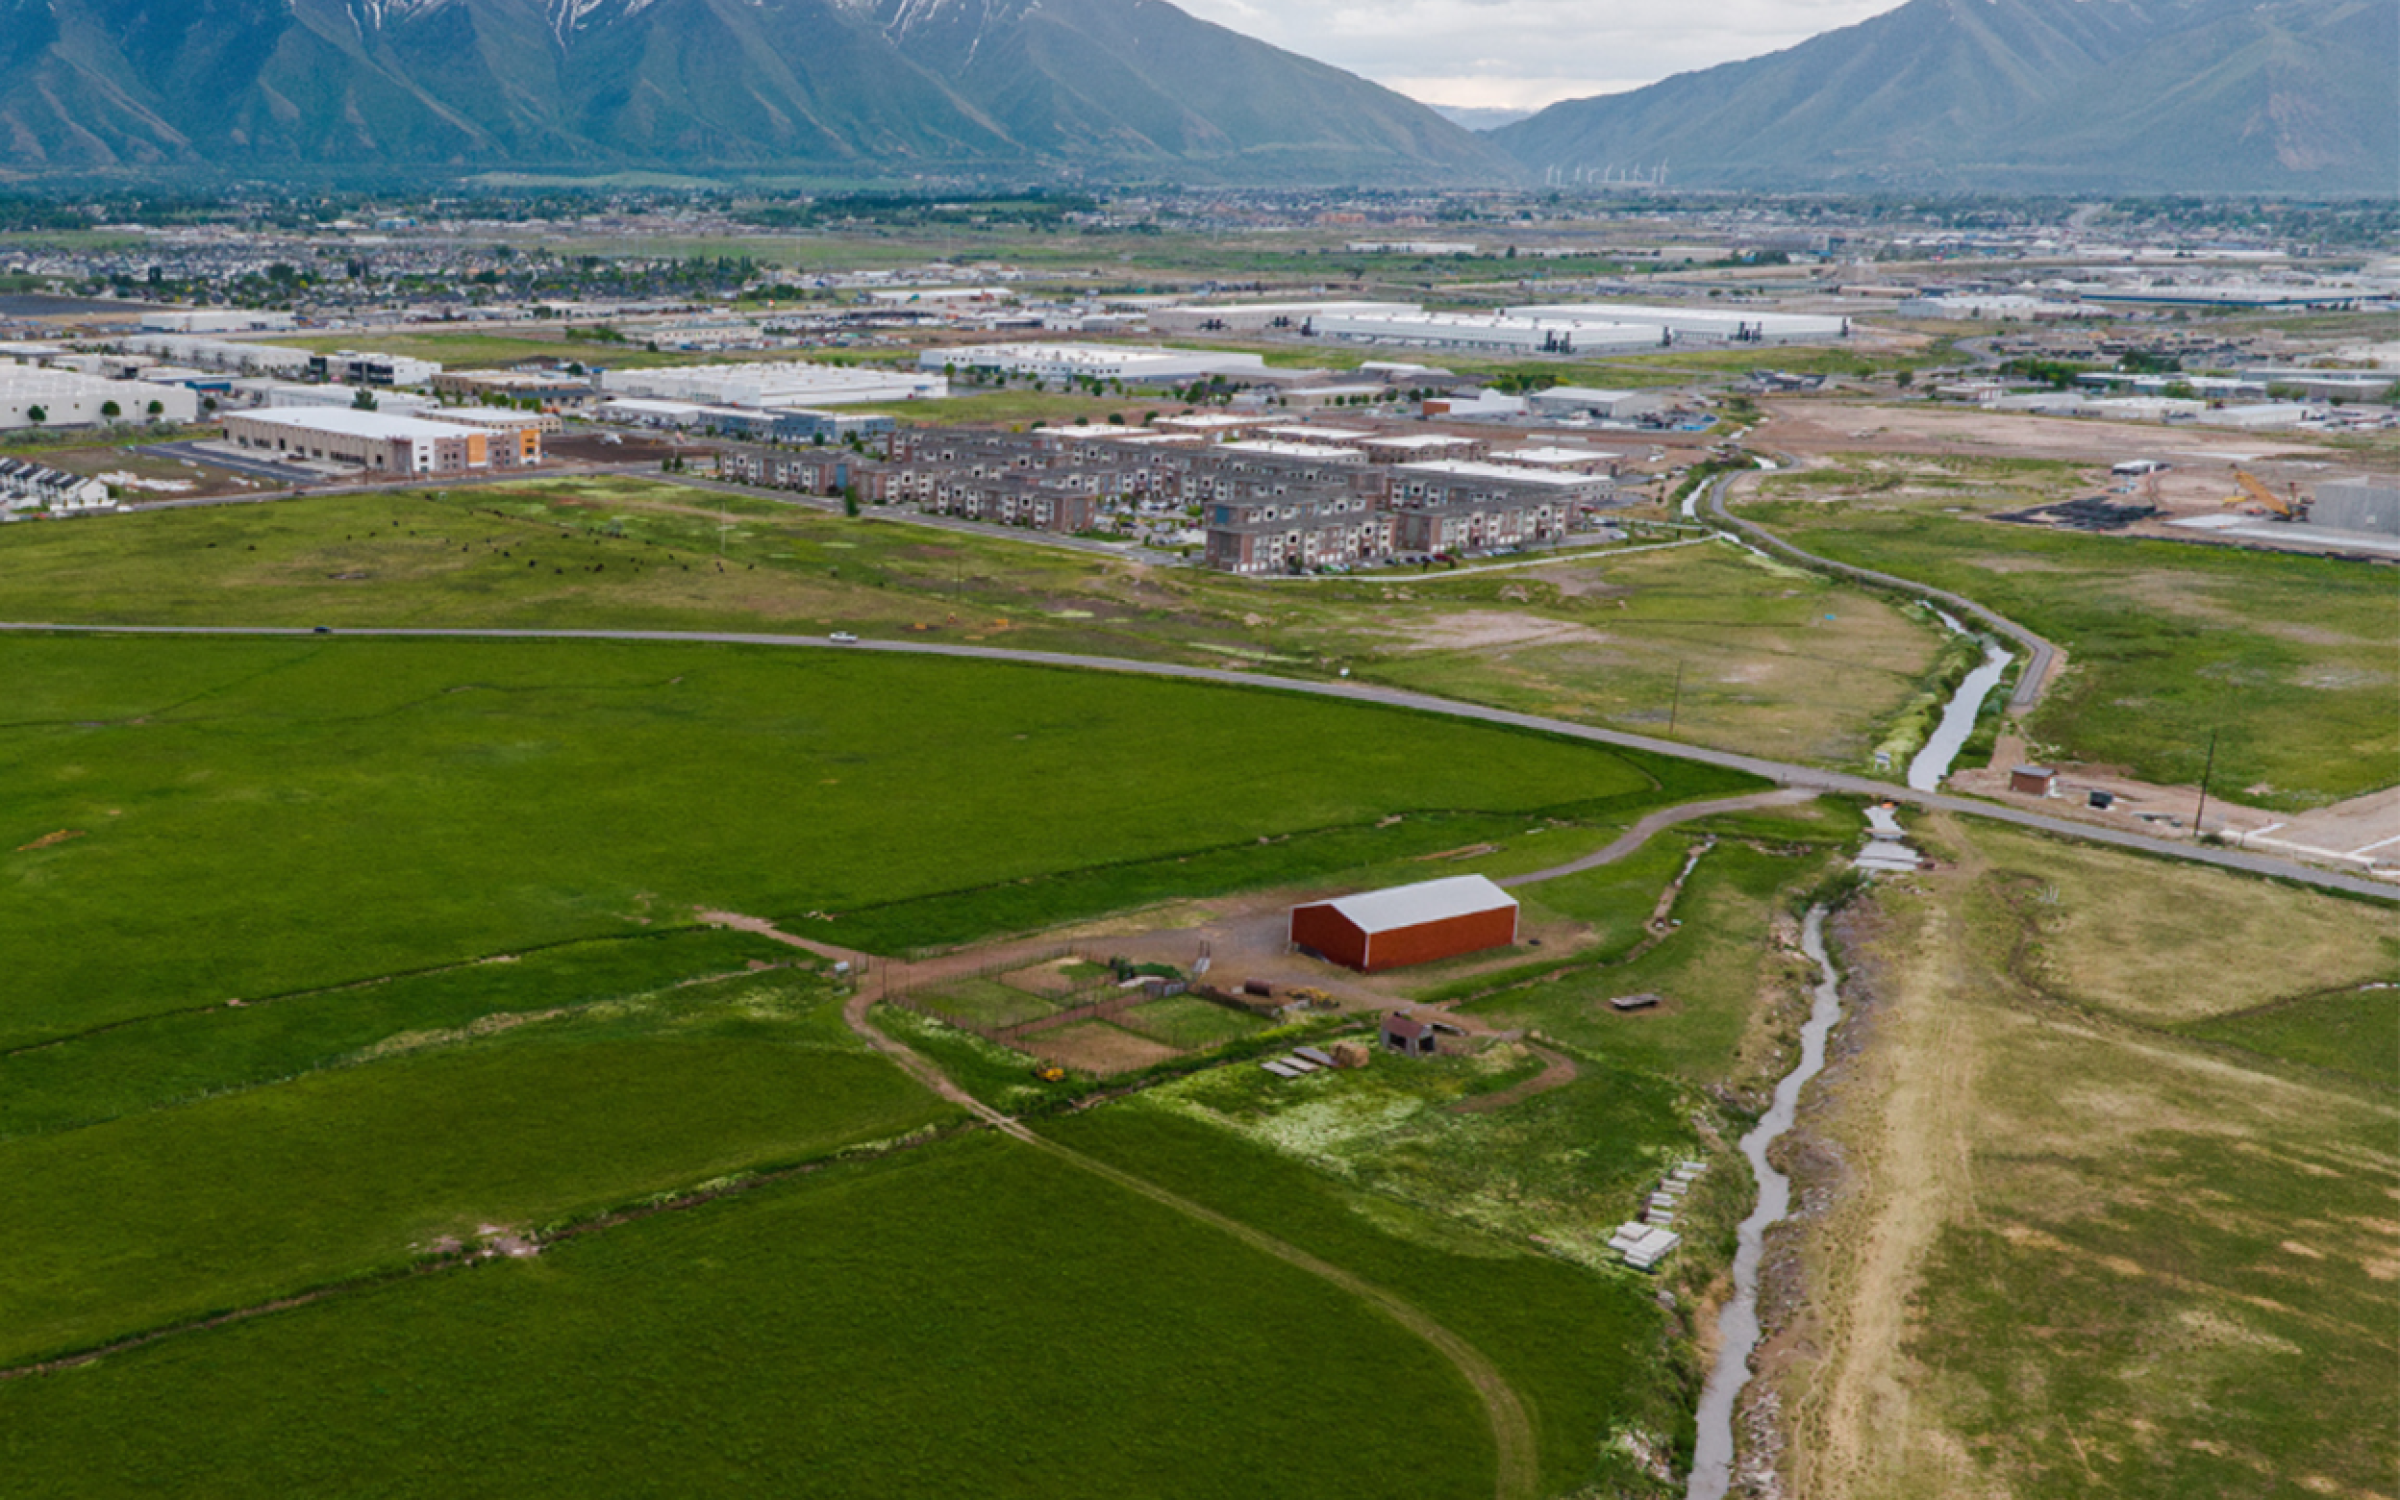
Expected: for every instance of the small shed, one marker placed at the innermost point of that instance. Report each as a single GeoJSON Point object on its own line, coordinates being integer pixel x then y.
{"type": "Point", "coordinates": [2034, 780]}
{"type": "Point", "coordinates": [1409, 1035]}
{"type": "Point", "coordinates": [1408, 924]}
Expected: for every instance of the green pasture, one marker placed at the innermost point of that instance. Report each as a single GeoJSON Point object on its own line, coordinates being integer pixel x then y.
{"type": "Point", "coordinates": [1708, 973]}
{"type": "Point", "coordinates": [234, 1200]}
{"type": "Point", "coordinates": [986, 1002]}
{"type": "Point", "coordinates": [2356, 1034]}
{"type": "Point", "coordinates": [2286, 660]}
{"type": "Point", "coordinates": [251, 818]}
{"type": "Point", "coordinates": [972, 1319]}
{"type": "Point", "coordinates": [180, 1056]}
{"type": "Point", "coordinates": [1190, 1023]}
{"type": "Point", "coordinates": [1585, 1351]}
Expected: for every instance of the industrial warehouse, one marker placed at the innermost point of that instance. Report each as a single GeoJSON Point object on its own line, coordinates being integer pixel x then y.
{"type": "Point", "coordinates": [384, 444]}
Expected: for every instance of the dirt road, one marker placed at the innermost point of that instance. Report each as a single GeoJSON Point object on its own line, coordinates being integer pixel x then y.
{"type": "Point", "coordinates": [1512, 1430]}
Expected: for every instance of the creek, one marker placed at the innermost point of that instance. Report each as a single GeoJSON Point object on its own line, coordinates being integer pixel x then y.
{"type": "Point", "coordinates": [1931, 763]}
{"type": "Point", "coordinates": [1737, 1323]}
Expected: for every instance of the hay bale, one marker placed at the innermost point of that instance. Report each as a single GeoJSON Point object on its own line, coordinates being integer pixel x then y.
{"type": "Point", "coordinates": [1351, 1054]}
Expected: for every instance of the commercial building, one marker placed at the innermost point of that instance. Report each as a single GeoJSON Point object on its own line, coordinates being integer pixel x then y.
{"type": "Point", "coordinates": [33, 396]}
{"type": "Point", "coordinates": [1487, 332]}
{"type": "Point", "coordinates": [789, 424]}
{"type": "Point", "coordinates": [354, 368]}
{"type": "Point", "coordinates": [381, 443]}
{"type": "Point", "coordinates": [1129, 364]}
{"type": "Point", "coordinates": [221, 354]}
{"type": "Point", "coordinates": [1689, 325]}
{"type": "Point", "coordinates": [1264, 317]}
{"type": "Point", "coordinates": [793, 383]}
{"type": "Point", "coordinates": [1409, 924]}
{"type": "Point", "coordinates": [212, 320]}
{"type": "Point", "coordinates": [496, 419]}
{"type": "Point", "coordinates": [288, 393]}
{"type": "Point", "coordinates": [1574, 401]}
{"type": "Point", "coordinates": [550, 388]}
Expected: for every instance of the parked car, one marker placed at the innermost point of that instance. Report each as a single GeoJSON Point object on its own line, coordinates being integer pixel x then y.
{"type": "Point", "coordinates": [843, 638]}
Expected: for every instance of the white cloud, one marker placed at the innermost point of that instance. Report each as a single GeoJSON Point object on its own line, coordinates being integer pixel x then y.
{"type": "Point", "coordinates": [1527, 53]}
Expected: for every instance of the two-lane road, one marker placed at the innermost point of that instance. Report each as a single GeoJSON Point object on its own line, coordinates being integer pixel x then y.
{"type": "Point", "coordinates": [1782, 773]}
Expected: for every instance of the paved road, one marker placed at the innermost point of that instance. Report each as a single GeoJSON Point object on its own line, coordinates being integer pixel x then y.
{"type": "Point", "coordinates": [1811, 777]}
{"type": "Point", "coordinates": [2040, 654]}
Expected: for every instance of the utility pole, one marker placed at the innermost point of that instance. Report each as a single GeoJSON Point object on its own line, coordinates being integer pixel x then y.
{"type": "Point", "coordinates": [2206, 770]}
{"type": "Point", "coordinates": [1675, 704]}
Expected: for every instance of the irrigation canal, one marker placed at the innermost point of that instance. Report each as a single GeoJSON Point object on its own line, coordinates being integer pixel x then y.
{"type": "Point", "coordinates": [1737, 1324]}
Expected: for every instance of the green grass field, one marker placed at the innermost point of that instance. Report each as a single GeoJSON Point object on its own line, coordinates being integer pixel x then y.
{"type": "Point", "coordinates": [2288, 660]}
{"type": "Point", "coordinates": [353, 1169]}
{"type": "Point", "coordinates": [1190, 1023]}
{"type": "Point", "coordinates": [253, 818]}
{"type": "Point", "coordinates": [179, 1056]}
{"type": "Point", "coordinates": [976, 1319]}
{"type": "Point", "coordinates": [1584, 1351]}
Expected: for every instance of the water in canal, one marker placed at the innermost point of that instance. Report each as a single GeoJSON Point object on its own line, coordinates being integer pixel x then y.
{"type": "Point", "coordinates": [1737, 1324]}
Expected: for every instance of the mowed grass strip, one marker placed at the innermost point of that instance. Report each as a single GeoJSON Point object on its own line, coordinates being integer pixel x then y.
{"type": "Point", "coordinates": [229, 1202]}
{"type": "Point", "coordinates": [167, 1059]}
{"type": "Point", "coordinates": [973, 1319]}
{"type": "Point", "coordinates": [259, 817]}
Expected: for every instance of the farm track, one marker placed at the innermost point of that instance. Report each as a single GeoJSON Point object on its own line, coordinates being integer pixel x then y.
{"type": "Point", "coordinates": [1518, 1460]}
{"type": "Point", "coordinates": [1666, 817]}
{"type": "Point", "coordinates": [1782, 772]}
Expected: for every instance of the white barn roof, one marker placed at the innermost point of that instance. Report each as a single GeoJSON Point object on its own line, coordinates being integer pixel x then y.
{"type": "Point", "coordinates": [1426, 901]}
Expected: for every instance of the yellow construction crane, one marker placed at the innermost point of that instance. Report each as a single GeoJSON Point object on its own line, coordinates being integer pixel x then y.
{"type": "Point", "coordinates": [2255, 492]}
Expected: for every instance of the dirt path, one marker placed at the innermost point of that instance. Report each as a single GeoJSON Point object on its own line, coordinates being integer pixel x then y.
{"type": "Point", "coordinates": [1512, 1430]}
{"type": "Point", "coordinates": [1861, 1429]}
{"type": "Point", "coordinates": [1559, 1073]}
{"type": "Point", "coordinates": [1666, 817]}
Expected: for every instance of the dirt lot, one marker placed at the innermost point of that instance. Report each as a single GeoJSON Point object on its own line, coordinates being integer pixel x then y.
{"type": "Point", "coordinates": [149, 476]}
{"type": "Point", "coordinates": [591, 448]}
{"type": "Point", "coordinates": [1096, 1047]}
{"type": "Point", "coordinates": [1831, 427]}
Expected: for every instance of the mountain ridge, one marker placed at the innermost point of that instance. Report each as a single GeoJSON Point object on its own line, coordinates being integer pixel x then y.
{"type": "Point", "coordinates": [892, 87]}
{"type": "Point", "coordinates": [2284, 96]}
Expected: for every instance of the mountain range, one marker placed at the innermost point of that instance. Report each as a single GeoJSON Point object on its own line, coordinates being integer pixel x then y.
{"type": "Point", "coordinates": [2273, 96]}
{"type": "Point", "coordinates": [2296, 97]}
{"type": "Point", "coordinates": [872, 87]}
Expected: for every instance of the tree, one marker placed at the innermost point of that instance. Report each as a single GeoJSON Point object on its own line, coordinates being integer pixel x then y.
{"type": "Point", "coordinates": [850, 500]}
{"type": "Point", "coordinates": [156, 410]}
{"type": "Point", "coordinates": [111, 410]}
{"type": "Point", "coordinates": [1905, 379]}
{"type": "Point", "coordinates": [36, 415]}
{"type": "Point", "coordinates": [363, 401]}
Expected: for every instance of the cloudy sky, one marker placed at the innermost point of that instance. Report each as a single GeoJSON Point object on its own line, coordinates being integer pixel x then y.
{"type": "Point", "coordinates": [1522, 54]}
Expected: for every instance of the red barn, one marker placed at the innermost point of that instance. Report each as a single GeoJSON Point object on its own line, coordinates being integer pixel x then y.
{"type": "Point", "coordinates": [1408, 924]}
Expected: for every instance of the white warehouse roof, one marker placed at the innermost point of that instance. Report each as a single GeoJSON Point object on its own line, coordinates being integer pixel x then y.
{"type": "Point", "coordinates": [1426, 901]}
{"type": "Point", "coordinates": [366, 424]}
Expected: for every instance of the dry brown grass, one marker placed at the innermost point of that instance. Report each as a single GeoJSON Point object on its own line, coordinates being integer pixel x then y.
{"type": "Point", "coordinates": [2168, 943]}
{"type": "Point", "coordinates": [2073, 1255]}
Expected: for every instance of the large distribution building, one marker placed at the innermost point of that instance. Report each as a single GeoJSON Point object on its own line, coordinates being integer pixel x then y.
{"type": "Point", "coordinates": [1132, 364]}
{"type": "Point", "coordinates": [779, 384]}
{"type": "Point", "coordinates": [382, 443]}
{"type": "Point", "coordinates": [39, 397]}
{"type": "Point", "coordinates": [1408, 924]}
